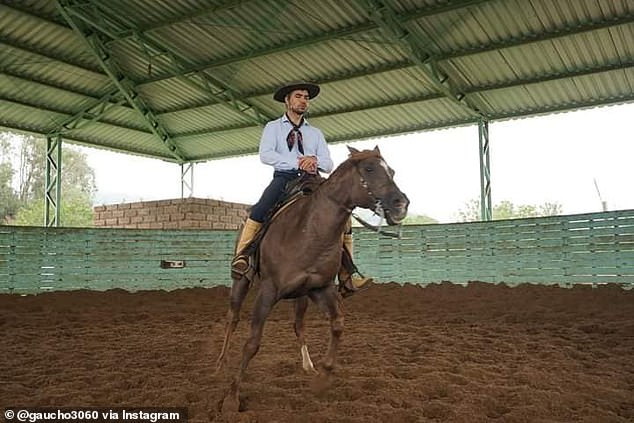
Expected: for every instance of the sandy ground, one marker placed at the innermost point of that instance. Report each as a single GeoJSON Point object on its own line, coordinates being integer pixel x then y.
{"type": "Point", "coordinates": [443, 353]}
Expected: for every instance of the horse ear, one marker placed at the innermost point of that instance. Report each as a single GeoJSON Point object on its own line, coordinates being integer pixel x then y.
{"type": "Point", "coordinates": [352, 150]}
{"type": "Point", "coordinates": [376, 148]}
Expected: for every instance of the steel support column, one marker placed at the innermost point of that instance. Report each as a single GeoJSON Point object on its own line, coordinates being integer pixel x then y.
{"type": "Point", "coordinates": [187, 169]}
{"type": "Point", "coordinates": [53, 183]}
{"type": "Point", "coordinates": [486, 211]}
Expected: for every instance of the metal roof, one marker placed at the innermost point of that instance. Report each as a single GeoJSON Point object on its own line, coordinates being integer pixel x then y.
{"type": "Point", "coordinates": [192, 80]}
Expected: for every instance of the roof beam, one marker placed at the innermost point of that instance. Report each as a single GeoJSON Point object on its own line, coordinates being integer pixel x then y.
{"type": "Point", "coordinates": [65, 86]}
{"type": "Point", "coordinates": [342, 76]}
{"type": "Point", "coordinates": [65, 115]}
{"type": "Point", "coordinates": [514, 42]}
{"type": "Point", "coordinates": [336, 34]}
{"type": "Point", "coordinates": [115, 26]}
{"type": "Point", "coordinates": [415, 48]}
{"type": "Point", "coordinates": [494, 116]}
{"type": "Point", "coordinates": [429, 97]}
{"type": "Point", "coordinates": [92, 98]}
{"type": "Point", "coordinates": [208, 10]}
{"type": "Point", "coordinates": [526, 39]}
{"type": "Point", "coordinates": [124, 84]}
{"type": "Point", "coordinates": [89, 114]}
{"type": "Point", "coordinates": [45, 55]}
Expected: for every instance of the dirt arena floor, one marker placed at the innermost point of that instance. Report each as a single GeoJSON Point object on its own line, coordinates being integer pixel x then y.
{"type": "Point", "coordinates": [444, 353]}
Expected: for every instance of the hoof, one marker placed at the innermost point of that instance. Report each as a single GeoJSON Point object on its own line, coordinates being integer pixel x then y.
{"type": "Point", "coordinates": [320, 383]}
{"type": "Point", "coordinates": [230, 404]}
{"type": "Point", "coordinates": [231, 401]}
{"type": "Point", "coordinates": [311, 371]}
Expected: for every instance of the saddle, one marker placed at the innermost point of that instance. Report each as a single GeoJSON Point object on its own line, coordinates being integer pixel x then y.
{"type": "Point", "coordinates": [294, 190]}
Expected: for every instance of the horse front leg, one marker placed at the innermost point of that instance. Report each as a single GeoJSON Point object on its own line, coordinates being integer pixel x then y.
{"type": "Point", "coordinates": [239, 291]}
{"type": "Point", "coordinates": [263, 305]}
{"type": "Point", "coordinates": [329, 300]}
{"type": "Point", "coordinates": [301, 304]}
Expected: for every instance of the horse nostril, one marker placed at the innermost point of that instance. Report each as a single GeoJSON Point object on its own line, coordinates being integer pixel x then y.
{"type": "Point", "coordinates": [400, 202]}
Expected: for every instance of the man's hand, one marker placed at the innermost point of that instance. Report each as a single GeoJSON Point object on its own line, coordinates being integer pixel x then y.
{"type": "Point", "coordinates": [308, 164]}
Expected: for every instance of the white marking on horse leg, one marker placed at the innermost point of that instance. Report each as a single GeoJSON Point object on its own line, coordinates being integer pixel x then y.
{"type": "Point", "coordinates": [307, 364]}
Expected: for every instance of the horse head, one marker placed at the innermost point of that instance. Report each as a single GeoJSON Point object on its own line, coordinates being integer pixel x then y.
{"type": "Point", "coordinates": [375, 188]}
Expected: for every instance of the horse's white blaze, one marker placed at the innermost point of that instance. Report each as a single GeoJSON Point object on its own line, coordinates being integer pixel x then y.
{"type": "Point", "coordinates": [386, 168]}
{"type": "Point", "coordinates": [307, 364]}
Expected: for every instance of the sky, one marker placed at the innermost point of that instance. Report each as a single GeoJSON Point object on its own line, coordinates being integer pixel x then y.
{"type": "Point", "coordinates": [555, 158]}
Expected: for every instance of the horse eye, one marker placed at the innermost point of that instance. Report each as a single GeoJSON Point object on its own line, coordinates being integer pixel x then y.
{"type": "Point", "coordinates": [369, 169]}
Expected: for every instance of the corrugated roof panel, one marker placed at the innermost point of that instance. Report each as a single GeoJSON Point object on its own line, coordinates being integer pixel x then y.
{"type": "Point", "coordinates": [451, 31]}
{"type": "Point", "coordinates": [125, 116]}
{"type": "Point", "coordinates": [147, 12]}
{"type": "Point", "coordinates": [548, 55]}
{"type": "Point", "coordinates": [118, 138]}
{"type": "Point", "coordinates": [553, 94]}
{"type": "Point", "coordinates": [222, 144]}
{"type": "Point", "coordinates": [39, 95]}
{"type": "Point", "coordinates": [23, 117]}
{"type": "Point", "coordinates": [387, 87]}
{"type": "Point", "coordinates": [240, 29]}
{"type": "Point", "coordinates": [319, 62]}
{"type": "Point", "coordinates": [546, 58]}
{"type": "Point", "coordinates": [44, 8]}
{"type": "Point", "coordinates": [623, 37]}
{"type": "Point", "coordinates": [139, 61]}
{"type": "Point", "coordinates": [28, 66]}
{"type": "Point", "coordinates": [394, 119]}
{"type": "Point", "coordinates": [203, 118]}
{"type": "Point", "coordinates": [43, 36]}
{"type": "Point", "coordinates": [174, 93]}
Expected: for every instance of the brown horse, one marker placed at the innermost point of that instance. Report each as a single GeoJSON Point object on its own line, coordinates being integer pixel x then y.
{"type": "Point", "coordinates": [301, 252]}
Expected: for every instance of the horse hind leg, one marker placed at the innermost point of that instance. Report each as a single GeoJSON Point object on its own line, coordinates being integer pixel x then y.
{"type": "Point", "coordinates": [301, 304]}
{"type": "Point", "coordinates": [239, 291]}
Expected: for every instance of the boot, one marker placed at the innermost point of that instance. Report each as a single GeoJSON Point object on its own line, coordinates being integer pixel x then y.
{"type": "Point", "coordinates": [240, 263]}
{"type": "Point", "coordinates": [350, 282]}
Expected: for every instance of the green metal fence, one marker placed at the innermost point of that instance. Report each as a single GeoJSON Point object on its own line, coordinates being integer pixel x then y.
{"type": "Point", "coordinates": [587, 248]}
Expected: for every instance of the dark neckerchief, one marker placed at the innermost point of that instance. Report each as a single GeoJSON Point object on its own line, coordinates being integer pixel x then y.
{"type": "Point", "coordinates": [295, 135]}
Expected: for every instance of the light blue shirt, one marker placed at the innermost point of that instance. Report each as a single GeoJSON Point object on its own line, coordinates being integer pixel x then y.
{"type": "Point", "coordinates": [274, 150]}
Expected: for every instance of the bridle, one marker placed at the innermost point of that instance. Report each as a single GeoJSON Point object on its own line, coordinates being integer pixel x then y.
{"type": "Point", "coordinates": [378, 210]}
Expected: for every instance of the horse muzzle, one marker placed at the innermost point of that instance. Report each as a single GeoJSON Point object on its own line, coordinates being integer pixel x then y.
{"type": "Point", "coordinates": [395, 208]}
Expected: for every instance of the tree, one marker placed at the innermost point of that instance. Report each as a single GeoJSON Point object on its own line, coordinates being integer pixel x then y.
{"type": "Point", "coordinates": [416, 219]}
{"type": "Point", "coordinates": [550, 209]}
{"type": "Point", "coordinates": [8, 196]}
{"type": "Point", "coordinates": [507, 210]}
{"type": "Point", "coordinates": [470, 212]}
{"type": "Point", "coordinates": [27, 154]}
{"type": "Point", "coordinates": [75, 212]}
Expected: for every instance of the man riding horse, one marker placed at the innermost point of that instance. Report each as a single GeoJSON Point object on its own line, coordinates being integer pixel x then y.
{"type": "Point", "coordinates": [294, 148]}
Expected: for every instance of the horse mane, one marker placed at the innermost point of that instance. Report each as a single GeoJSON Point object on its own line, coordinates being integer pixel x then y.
{"type": "Point", "coordinates": [354, 158]}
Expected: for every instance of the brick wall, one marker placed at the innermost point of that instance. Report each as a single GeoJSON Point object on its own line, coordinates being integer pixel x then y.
{"type": "Point", "coordinates": [185, 213]}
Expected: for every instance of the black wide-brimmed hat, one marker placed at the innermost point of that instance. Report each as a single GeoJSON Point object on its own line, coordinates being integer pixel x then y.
{"type": "Point", "coordinates": [282, 92]}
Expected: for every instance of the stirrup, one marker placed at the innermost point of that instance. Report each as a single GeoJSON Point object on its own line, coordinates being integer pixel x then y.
{"type": "Point", "coordinates": [239, 266]}
{"type": "Point", "coordinates": [347, 288]}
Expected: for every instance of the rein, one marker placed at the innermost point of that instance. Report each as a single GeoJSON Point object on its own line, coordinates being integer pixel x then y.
{"type": "Point", "coordinates": [377, 228]}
